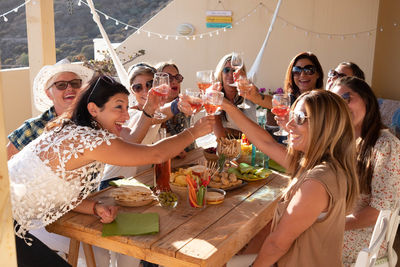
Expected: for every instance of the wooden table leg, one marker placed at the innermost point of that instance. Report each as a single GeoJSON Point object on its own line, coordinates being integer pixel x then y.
{"type": "Point", "coordinates": [90, 261]}
{"type": "Point", "coordinates": [73, 252]}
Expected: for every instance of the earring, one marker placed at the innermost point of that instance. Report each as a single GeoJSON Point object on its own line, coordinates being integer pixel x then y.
{"type": "Point", "coordinates": [94, 123]}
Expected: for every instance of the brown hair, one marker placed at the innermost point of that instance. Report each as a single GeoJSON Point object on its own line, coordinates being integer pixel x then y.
{"type": "Point", "coordinates": [370, 129]}
{"type": "Point", "coordinates": [290, 86]}
{"type": "Point", "coordinates": [330, 139]}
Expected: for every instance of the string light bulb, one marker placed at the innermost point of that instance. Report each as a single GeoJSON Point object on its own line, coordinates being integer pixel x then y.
{"type": "Point", "coordinates": [79, 3]}
{"type": "Point", "coordinates": [5, 18]}
{"type": "Point", "coordinates": [15, 10]}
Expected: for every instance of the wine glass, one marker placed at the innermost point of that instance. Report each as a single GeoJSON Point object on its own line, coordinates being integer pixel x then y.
{"type": "Point", "coordinates": [161, 88]}
{"type": "Point", "coordinates": [280, 107]}
{"type": "Point", "coordinates": [237, 64]}
{"type": "Point", "coordinates": [204, 79]}
{"type": "Point", "coordinates": [212, 102]}
{"type": "Point", "coordinates": [243, 85]}
{"type": "Point", "coordinates": [195, 101]}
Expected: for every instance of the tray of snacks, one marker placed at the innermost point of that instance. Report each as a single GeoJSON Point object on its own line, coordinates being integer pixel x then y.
{"type": "Point", "coordinates": [226, 181]}
{"type": "Point", "coordinates": [249, 173]}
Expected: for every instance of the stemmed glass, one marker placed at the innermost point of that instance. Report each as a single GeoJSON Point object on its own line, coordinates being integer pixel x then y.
{"type": "Point", "coordinates": [212, 102]}
{"type": "Point", "coordinates": [243, 85]}
{"type": "Point", "coordinates": [204, 79]}
{"type": "Point", "coordinates": [237, 64]}
{"type": "Point", "coordinates": [195, 101]}
{"type": "Point", "coordinates": [161, 88]}
{"type": "Point", "coordinates": [280, 107]}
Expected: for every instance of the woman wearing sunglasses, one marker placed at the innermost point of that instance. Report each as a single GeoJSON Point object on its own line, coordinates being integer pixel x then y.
{"type": "Point", "coordinates": [378, 166]}
{"type": "Point", "coordinates": [55, 173]}
{"type": "Point", "coordinates": [303, 74]}
{"type": "Point", "coordinates": [309, 221]}
{"type": "Point", "coordinates": [54, 88]}
{"type": "Point", "coordinates": [179, 121]}
{"type": "Point", "coordinates": [224, 74]}
{"type": "Point", "coordinates": [342, 70]}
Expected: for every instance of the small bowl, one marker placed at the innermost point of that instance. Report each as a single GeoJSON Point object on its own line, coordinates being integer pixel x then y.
{"type": "Point", "coordinates": [210, 156]}
{"type": "Point", "coordinates": [168, 199]}
{"type": "Point", "coordinates": [180, 191]}
{"type": "Point", "coordinates": [215, 196]}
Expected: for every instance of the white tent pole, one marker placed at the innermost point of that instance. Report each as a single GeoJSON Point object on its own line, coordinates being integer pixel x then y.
{"type": "Point", "coordinates": [256, 64]}
{"type": "Point", "coordinates": [121, 72]}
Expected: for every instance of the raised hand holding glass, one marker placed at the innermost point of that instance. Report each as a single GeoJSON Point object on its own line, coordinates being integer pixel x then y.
{"type": "Point", "coordinates": [161, 88]}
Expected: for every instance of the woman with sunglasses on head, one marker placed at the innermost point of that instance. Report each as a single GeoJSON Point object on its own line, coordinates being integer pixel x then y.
{"type": "Point", "coordinates": [224, 73]}
{"type": "Point", "coordinates": [342, 70]}
{"type": "Point", "coordinates": [54, 89]}
{"type": "Point", "coordinates": [56, 172]}
{"type": "Point", "coordinates": [378, 166]}
{"type": "Point", "coordinates": [308, 224]}
{"type": "Point", "coordinates": [140, 80]}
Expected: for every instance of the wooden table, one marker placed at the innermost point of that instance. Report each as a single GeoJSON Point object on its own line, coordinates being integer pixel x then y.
{"type": "Point", "coordinates": [188, 236]}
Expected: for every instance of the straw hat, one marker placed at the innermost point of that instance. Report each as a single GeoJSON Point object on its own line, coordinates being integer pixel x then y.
{"type": "Point", "coordinates": [42, 80]}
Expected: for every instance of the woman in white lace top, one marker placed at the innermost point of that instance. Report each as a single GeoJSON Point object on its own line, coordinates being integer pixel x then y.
{"type": "Point", "coordinates": [56, 172]}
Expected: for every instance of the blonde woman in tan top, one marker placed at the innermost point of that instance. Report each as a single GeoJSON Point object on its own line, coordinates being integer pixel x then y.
{"type": "Point", "coordinates": [308, 225]}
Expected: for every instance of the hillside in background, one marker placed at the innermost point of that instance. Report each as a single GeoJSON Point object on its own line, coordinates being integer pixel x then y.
{"type": "Point", "coordinates": [74, 27]}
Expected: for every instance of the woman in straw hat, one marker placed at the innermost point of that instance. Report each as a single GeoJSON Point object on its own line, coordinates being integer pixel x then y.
{"type": "Point", "coordinates": [54, 88]}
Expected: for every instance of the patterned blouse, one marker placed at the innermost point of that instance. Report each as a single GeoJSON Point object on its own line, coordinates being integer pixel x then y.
{"type": "Point", "coordinates": [384, 195]}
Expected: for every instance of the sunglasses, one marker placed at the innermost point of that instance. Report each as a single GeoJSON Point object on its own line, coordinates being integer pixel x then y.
{"type": "Point", "coordinates": [307, 70]}
{"type": "Point", "coordinates": [137, 88]}
{"type": "Point", "coordinates": [335, 74]}
{"type": "Point", "coordinates": [346, 97]}
{"type": "Point", "coordinates": [298, 116]}
{"type": "Point", "coordinates": [178, 77]}
{"type": "Point", "coordinates": [62, 85]}
{"type": "Point", "coordinates": [102, 79]}
{"type": "Point", "coordinates": [227, 69]}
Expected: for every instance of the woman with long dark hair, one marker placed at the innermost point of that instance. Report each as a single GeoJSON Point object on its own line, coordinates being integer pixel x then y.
{"type": "Point", "coordinates": [378, 166]}
{"type": "Point", "coordinates": [56, 172]}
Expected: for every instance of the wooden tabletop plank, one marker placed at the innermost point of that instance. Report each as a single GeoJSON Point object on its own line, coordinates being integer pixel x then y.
{"type": "Point", "coordinates": [232, 231]}
{"type": "Point", "coordinates": [200, 222]}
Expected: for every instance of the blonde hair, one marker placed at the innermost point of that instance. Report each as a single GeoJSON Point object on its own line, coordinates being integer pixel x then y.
{"type": "Point", "coordinates": [331, 139]}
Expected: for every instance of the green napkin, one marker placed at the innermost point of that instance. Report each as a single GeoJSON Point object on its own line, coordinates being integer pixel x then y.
{"type": "Point", "coordinates": [275, 166]}
{"type": "Point", "coordinates": [132, 224]}
{"type": "Point", "coordinates": [126, 181]}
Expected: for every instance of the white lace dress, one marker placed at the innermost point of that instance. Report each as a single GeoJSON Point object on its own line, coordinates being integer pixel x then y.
{"type": "Point", "coordinates": [42, 190]}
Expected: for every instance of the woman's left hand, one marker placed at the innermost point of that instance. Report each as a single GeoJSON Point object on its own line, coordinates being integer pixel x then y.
{"type": "Point", "coordinates": [106, 213]}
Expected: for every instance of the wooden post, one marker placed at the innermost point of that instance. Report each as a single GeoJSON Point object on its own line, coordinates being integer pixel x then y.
{"type": "Point", "coordinates": [41, 38]}
{"type": "Point", "coordinates": [8, 254]}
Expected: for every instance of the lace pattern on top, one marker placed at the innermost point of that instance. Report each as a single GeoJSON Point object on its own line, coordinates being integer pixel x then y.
{"type": "Point", "coordinates": [42, 190]}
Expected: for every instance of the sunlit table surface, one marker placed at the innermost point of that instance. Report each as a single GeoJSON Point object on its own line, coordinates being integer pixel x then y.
{"type": "Point", "coordinates": [187, 236]}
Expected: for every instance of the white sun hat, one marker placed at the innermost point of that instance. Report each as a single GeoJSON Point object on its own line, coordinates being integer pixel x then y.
{"type": "Point", "coordinates": [42, 80]}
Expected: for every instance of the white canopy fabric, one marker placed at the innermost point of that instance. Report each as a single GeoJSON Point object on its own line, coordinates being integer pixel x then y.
{"type": "Point", "coordinates": [256, 64]}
